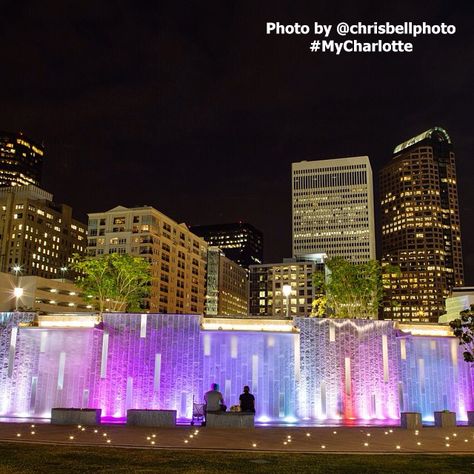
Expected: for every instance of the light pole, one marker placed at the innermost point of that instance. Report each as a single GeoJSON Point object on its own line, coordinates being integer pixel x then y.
{"type": "Point", "coordinates": [63, 272]}
{"type": "Point", "coordinates": [16, 269]}
{"type": "Point", "coordinates": [18, 293]}
{"type": "Point", "coordinates": [286, 294]}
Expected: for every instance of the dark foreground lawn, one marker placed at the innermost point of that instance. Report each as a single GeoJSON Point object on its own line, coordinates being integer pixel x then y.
{"type": "Point", "coordinates": [23, 458]}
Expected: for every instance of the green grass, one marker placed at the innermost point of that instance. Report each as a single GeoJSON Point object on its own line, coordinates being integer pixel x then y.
{"type": "Point", "coordinates": [24, 458]}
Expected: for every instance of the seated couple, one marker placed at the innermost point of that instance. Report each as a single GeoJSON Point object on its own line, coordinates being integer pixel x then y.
{"type": "Point", "coordinates": [214, 401]}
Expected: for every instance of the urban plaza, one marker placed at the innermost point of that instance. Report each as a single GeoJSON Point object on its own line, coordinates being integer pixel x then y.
{"type": "Point", "coordinates": [236, 237]}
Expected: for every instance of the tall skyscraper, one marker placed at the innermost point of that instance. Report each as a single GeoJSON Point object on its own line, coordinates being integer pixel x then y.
{"type": "Point", "coordinates": [421, 231]}
{"type": "Point", "coordinates": [38, 236]}
{"type": "Point", "coordinates": [241, 242]}
{"type": "Point", "coordinates": [21, 160]}
{"type": "Point", "coordinates": [333, 209]}
{"type": "Point", "coordinates": [177, 256]}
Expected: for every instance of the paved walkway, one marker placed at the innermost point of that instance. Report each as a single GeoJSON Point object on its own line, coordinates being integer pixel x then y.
{"type": "Point", "coordinates": [277, 439]}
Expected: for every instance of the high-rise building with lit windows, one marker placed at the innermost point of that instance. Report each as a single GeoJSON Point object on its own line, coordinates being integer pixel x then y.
{"type": "Point", "coordinates": [267, 298]}
{"type": "Point", "coordinates": [333, 209]}
{"type": "Point", "coordinates": [421, 231]}
{"type": "Point", "coordinates": [177, 256]}
{"type": "Point", "coordinates": [227, 285]}
{"type": "Point", "coordinates": [240, 241]}
{"type": "Point", "coordinates": [21, 160]}
{"type": "Point", "coordinates": [38, 236]}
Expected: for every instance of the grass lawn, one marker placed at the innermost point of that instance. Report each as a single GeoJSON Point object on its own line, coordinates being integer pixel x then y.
{"type": "Point", "coordinates": [23, 458]}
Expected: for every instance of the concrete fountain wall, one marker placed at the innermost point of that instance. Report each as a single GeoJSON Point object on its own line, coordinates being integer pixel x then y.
{"type": "Point", "coordinates": [328, 369]}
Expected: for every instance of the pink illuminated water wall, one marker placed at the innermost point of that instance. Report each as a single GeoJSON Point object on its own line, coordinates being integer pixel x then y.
{"type": "Point", "coordinates": [349, 369]}
{"type": "Point", "coordinates": [326, 370]}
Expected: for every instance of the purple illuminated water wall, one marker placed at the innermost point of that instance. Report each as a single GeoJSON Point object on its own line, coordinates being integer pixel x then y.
{"type": "Point", "coordinates": [326, 370]}
{"type": "Point", "coordinates": [147, 361]}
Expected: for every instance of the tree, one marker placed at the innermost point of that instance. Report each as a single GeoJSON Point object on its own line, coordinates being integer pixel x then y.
{"type": "Point", "coordinates": [463, 329]}
{"type": "Point", "coordinates": [114, 282]}
{"type": "Point", "coordinates": [348, 290]}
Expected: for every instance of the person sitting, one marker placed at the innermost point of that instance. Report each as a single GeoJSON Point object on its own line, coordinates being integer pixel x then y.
{"type": "Point", "coordinates": [247, 401]}
{"type": "Point", "coordinates": [214, 401]}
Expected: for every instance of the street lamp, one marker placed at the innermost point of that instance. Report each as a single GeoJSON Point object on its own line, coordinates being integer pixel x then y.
{"type": "Point", "coordinates": [286, 294]}
{"type": "Point", "coordinates": [63, 271]}
{"type": "Point", "coordinates": [17, 293]}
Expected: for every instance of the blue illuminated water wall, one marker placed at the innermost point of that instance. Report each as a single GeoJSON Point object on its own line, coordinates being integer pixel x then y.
{"type": "Point", "coordinates": [14, 368]}
{"type": "Point", "coordinates": [434, 377]}
{"type": "Point", "coordinates": [266, 362]}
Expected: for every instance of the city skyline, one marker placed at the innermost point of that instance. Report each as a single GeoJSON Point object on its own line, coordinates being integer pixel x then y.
{"type": "Point", "coordinates": [206, 100]}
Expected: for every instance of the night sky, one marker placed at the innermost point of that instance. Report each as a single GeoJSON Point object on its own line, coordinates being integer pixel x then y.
{"type": "Point", "coordinates": [194, 110]}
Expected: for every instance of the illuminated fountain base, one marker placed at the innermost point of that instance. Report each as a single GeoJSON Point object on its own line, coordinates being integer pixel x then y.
{"type": "Point", "coordinates": [318, 372]}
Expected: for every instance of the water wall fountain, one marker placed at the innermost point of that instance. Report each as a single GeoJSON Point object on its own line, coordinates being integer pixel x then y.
{"type": "Point", "coordinates": [320, 369]}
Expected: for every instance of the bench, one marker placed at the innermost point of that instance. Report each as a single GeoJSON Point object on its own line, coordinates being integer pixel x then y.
{"type": "Point", "coordinates": [445, 419]}
{"type": "Point", "coordinates": [76, 416]}
{"type": "Point", "coordinates": [411, 420]}
{"type": "Point", "coordinates": [151, 417]}
{"type": "Point", "coordinates": [230, 420]}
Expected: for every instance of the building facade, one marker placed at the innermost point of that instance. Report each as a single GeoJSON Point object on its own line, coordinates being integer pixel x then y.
{"type": "Point", "coordinates": [43, 295]}
{"type": "Point", "coordinates": [21, 160]}
{"type": "Point", "coordinates": [421, 231]}
{"type": "Point", "coordinates": [241, 242]}
{"type": "Point", "coordinates": [227, 285]}
{"type": "Point", "coordinates": [38, 236]}
{"type": "Point", "coordinates": [333, 209]}
{"type": "Point", "coordinates": [460, 299]}
{"type": "Point", "coordinates": [177, 256]}
{"type": "Point", "coordinates": [266, 296]}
